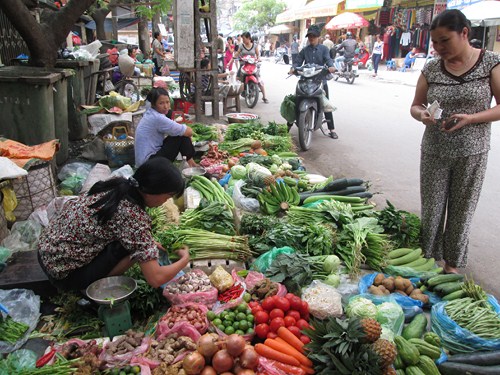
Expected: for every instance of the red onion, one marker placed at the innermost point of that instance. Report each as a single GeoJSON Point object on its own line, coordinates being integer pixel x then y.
{"type": "Point", "coordinates": [249, 359]}
{"type": "Point", "coordinates": [193, 363]}
{"type": "Point", "coordinates": [222, 361]}
{"type": "Point", "coordinates": [207, 345]}
{"type": "Point", "coordinates": [208, 370]}
{"type": "Point", "coordinates": [235, 344]}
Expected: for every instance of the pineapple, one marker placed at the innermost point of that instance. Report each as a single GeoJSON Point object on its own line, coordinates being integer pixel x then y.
{"type": "Point", "coordinates": [389, 371]}
{"type": "Point", "coordinates": [372, 329]}
{"type": "Point", "coordinates": [269, 180]}
{"type": "Point", "coordinates": [385, 350]}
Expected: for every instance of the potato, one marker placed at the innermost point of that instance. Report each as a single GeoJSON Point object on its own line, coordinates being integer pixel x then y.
{"type": "Point", "coordinates": [375, 291]}
{"type": "Point", "coordinates": [416, 292]}
{"type": "Point", "coordinates": [401, 292]}
{"type": "Point", "coordinates": [399, 283]}
{"type": "Point", "coordinates": [422, 297]}
{"type": "Point", "coordinates": [378, 279]}
{"type": "Point", "coordinates": [409, 289]}
{"type": "Point", "coordinates": [388, 284]}
{"type": "Point", "coordinates": [406, 283]}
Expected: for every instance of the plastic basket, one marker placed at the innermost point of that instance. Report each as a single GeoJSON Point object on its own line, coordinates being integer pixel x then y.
{"type": "Point", "coordinates": [119, 151]}
{"type": "Point", "coordinates": [35, 190]}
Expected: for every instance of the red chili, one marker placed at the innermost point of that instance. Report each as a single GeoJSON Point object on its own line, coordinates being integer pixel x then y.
{"type": "Point", "coordinates": [44, 359]}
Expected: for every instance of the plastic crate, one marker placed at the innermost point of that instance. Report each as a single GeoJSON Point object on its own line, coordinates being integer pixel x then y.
{"type": "Point", "coordinates": [209, 265]}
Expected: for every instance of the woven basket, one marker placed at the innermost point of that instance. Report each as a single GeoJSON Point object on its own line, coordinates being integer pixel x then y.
{"type": "Point", "coordinates": [4, 231]}
{"type": "Point", "coordinates": [36, 189]}
{"type": "Point", "coordinates": [119, 151]}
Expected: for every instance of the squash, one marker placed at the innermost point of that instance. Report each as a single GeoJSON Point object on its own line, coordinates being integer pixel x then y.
{"type": "Point", "coordinates": [400, 371]}
{"type": "Point", "coordinates": [416, 328]}
{"type": "Point", "coordinates": [433, 339]}
{"type": "Point", "coordinates": [408, 352]}
{"type": "Point", "coordinates": [414, 370]}
{"type": "Point", "coordinates": [427, 366]}
{"type": "Point", "coordinates": [424, 348]}
{"type": "Point", "coordinates": [398, 363]}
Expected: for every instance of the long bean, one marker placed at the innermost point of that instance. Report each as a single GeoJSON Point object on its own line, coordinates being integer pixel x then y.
{"type": "Point", "coordinates": [473, 316]}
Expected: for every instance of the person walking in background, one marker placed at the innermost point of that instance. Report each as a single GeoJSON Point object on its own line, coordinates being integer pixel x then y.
{"type": "Point", "coordinates": [454, 150]}
{"type": "Point", "coordinates": [377, 54]}
{"type": "Point", "coordinates": [228, 57]}
{"type": "Point", "coordinates": [158, 52]}
{"type": "Point", "coordinates": [267, 48]}
{"type": "Point", "coordinates": [294, 49]}
{"type": "Point", "coordinates": [328, 42]}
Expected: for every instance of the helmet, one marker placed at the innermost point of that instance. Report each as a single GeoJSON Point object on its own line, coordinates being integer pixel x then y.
{"type": "Point", "coordinates": [348, 34]}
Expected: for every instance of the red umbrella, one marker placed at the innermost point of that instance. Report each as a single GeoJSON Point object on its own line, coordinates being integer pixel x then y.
{"type": "Point", "coordinates": [347, 20]}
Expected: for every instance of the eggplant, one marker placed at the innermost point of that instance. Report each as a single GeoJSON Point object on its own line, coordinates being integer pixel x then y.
{"type": "Point", "coordinates": [455, 368]}
{"type": "Point", "coordinates": [477, 358]}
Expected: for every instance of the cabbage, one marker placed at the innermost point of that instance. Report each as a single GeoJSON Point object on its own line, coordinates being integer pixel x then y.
{"type": "Point", "coordinates": [238, 172]}
{"type": "Point", "coordinates": [387, 334]}
{"type": "Point", "coordinates": [254, 168]}
{"type": "Point", "coordinates": [333, 280]}
{"type": "Point", "coordinates": [361, 307]}
{"type": "Point", "coordinates": [331, 264]}
{"type": "Point", "coordinates": [391, 316]}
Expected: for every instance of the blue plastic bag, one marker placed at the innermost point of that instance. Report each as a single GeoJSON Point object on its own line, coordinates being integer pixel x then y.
{"type": "Point", "coordinates": [457, 339]}
{"type": "Point", "coordinates": [410, 306]}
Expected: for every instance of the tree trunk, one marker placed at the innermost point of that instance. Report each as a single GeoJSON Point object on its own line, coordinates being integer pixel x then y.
{"type": "Point", "coordinates": [44, 38]}
{"type": "Point", "coordinates": [99, 16]}
{"type": "Point", "coordinates": [155, 21]}
{"type": "Point", "coordinates": [143, 34]}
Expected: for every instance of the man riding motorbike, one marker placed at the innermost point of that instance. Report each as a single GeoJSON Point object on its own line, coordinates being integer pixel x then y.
{"type": "Point", "coordinates": [315, 53]}
{"type": "Point", "coordinates": [349, 45]}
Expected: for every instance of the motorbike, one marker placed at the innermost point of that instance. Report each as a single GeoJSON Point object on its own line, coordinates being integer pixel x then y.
{"type": "Point", "coordinates": [362, 57]}
{"type": "Point", "coordinates": [348, 68]}
{"type": "Point", "coordinates": [309, 101]}
{"type": "Point", "coordinates": [281, 54]}
{"type": "Point", "coordinates": [250, 81]}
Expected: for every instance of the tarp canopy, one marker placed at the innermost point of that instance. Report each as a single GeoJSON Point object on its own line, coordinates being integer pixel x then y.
{"type": "Point", "coordinates": [318, 8]}
{"type": "Point", "coordinates": [108, 25]}
{"type": "Point", "coordinates": [347, 20]}
{"type": "Point", "coordinates": [483, 13]}
{"type": "Point", "coordinates": [281, 29]}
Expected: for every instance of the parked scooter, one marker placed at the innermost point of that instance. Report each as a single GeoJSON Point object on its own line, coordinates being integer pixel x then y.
{"type": "Point", "coordinates": [362, 57]}
{"type": "Point", "coordinates": [309, 101]}
{"type": "Point", "coordinates": [281, 54]}
{"type": "Point", "coordinates": [348, 67]}
{"type": "Point", "coordinates": [250, 80]}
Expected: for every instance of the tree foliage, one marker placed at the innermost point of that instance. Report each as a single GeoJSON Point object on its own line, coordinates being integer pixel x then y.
{"type": "Point", "coordinates": [256, 14]}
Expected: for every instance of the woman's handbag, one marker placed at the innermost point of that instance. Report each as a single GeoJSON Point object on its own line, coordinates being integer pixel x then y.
{"type": "Point", "coordinates": [119, 148]}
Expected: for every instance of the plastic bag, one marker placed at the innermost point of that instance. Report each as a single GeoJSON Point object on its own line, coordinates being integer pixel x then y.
{"type": "Point", "coordinates": [324, 300]}
{"type": "Point", "coordinates": [9, 169]}
{"type": "Point", "coordinates": [347, 286]}
{"type": "Point", "coordinates": [198, 309]}
{"type": "Point", "coordinates": [410, 306]}
{"type": "Point", "coordinates": [287, 109]}
{"type": "Point", "coordinates": [22, 359]}
{"type": "Point", "coordinates": [253, 277]}
{"type": "Point", "coordinates": [9, 202]}
{"type": "Point", "coordinates": [264, 261]}
{"type": "Point", "coordinates": [74, 169]}
{"type": "Point", "coordinates": [23, 306]}
{"type": "Point", "coordinates": [120, 360]}
{"type": "Point", "coordinates": [247, 204]}
{"type": "Point", "coordinates": [99, 172]}
{"type": "Point", "coordinates": [23, 236]}
{"type": "Point", "coordinates": [327, 104]}
{"type": "Point", "coordinates": [391, 316]}
{"type": "Point", "coordinates": [457, 339]}
{"type": "Point", "coordinates": [126, 171]}
{"type": "Point", "coordinates": [87, 52]}
{"type": "Point", "coordinates": [219, 308]}
{"type": "Point", "coordinates": [270, 367]}
{"type": "Point", "coordinates": [221, 279]}
{"type": "Point", "coordinates": [208, 298]}
{"type": "Point", "coordinates": [4, 254]}
{"type": "Point", "coordinates": [407, 272]}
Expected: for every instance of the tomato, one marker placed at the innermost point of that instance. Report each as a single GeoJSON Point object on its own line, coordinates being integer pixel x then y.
{"type": "Point", "coordinates": [305, 339]}
{"type": "Point", "coordinates": [296, 303]}
{"type": "Point", "coordinates": [289, 321]}
{"type": "Point", "coordinates": [261, 317]}
{"type": "Point", "coordinates": [261, 330]}
{"type": "Point", "coordinates": [256, 309]}
{"type": "Point", "coordinates": [253, 304]}
{"type": "Point", "coordinates": [276, 313]}
{"type": "Point", "coordinates": [294, 314]}
{"type": "Point", "coordinates": [289, 296]}
{"type": "Point", "coordinates": [295, 330]}
{"type": "Point", "coordinates": [302, 324]}
{"type": "Point", "coordinates": [276, 323]}
{"type": "Point", "coordinates": [272, 335]}
{"type": "Point", "coordinates": [304, 310]}
{"type": "Point", "coordinates": [282, 303]}
{"type": "Point", "coordinates": [268, 303]}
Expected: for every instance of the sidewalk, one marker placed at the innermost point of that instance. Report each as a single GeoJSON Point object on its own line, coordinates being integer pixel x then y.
{"type": "Point", "coordinates": [409, 77]}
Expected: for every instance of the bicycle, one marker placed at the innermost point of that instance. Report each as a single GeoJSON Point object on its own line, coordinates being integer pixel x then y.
{"type": "Point", "coordinates": [126, 87]}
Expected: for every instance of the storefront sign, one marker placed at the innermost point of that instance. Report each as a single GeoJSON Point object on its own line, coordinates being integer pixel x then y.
{"type": "Point", "coordinates": [460, 4]}
{"type": "Point", "coordinates": [362, 4]}
{"type": "Point", "coordinates": [439, 7]}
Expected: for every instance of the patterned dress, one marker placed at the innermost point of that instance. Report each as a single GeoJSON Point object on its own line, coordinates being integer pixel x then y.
{"type": "Point", "coordinates": [75, 238]}
{"type": "Point", "coordinates": [453, 165]}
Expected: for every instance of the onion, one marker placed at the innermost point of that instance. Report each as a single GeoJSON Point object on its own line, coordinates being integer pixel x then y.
{"type": "Point", "coordinates": [246, 372]}
{"type": "Point", "coordinates": [227, 373]}
{"type": "Point", "coordinates": [235, 344]}
{"type": "Point", "coordinates": [256, 144]}
{"type": "Point", "coordinates": [207, 345]}
{"type": "Point", "coordinates": [208, 370]}
{"type": "Point", "coordinates": [249, 359]}
{"type": "Point", "coordinates": [222, 361]}
{"type": "Point", "coordinates": [193, 363]}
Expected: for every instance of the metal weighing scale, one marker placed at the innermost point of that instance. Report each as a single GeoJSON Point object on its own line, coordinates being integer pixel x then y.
{"type": "Point", "coordinates": [111, 293]}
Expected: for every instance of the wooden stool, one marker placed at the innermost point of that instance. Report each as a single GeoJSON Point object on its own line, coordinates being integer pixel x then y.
{"type": "Point", "coordinates": [236, 106]}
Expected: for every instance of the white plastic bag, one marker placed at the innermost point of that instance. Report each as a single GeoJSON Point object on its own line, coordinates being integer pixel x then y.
{"type": "Point", "coordinates": [324, 300]}
{"type": "Point", "coordinates": [23, 236]}
{"type": "Point", "coordinates": [9, 169]}
{"type": "Point", "coordinates": [247, 204]}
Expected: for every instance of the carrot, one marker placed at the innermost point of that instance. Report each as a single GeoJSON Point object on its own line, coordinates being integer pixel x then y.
{"type": "Point", "coordinates": [270, 353]}
{"type": "Point", "coordinates": [286, 348]}
{"type": "Point", "coordinates": [308, 370]}
{"type": "Point", "coordinates": [289, 370]}
{"type": "Point", "coordinates": [291, 339]}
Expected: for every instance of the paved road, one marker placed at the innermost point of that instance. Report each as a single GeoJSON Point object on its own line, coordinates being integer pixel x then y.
{"type": "Point", "coordinates": [380, 142]}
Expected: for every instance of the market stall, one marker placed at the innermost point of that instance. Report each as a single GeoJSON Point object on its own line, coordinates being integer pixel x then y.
{"type": "Point", "coordinates": [290, 273]}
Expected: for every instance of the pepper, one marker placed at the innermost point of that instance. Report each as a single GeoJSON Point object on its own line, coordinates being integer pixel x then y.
{"type": "Point", "coordinates": [232, 293]}
{"type": "Point", "coordinates": [44, 359]}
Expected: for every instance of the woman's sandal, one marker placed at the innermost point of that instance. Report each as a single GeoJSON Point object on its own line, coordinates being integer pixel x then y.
{"type": "Point", "coordinates": [265, 100]}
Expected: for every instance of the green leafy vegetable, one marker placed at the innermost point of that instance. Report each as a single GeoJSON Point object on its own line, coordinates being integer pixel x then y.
{"type": "Point", "coordinates": [403, 227]}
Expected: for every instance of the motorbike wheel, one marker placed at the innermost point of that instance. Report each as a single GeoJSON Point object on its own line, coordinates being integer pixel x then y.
{"type": "Point", "coordinates": [306, 124]}
{"type": "Point", "coordinates": [336, 77]}
{"type": "Point", "coordinates": [350, 77]}
{"type": "Point", "coordinates": [251, 94]}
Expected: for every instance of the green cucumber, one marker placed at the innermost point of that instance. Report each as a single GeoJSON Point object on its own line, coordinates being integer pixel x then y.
{"type": "Point", "coordinates": [436, 280]}
{"type": "Point", "coordinates": [455, 295]}
{"type": "Point", "coordinates": [427, 266]}
{"type": "Point", "coordinates": [316, 197]}
{"type": "Point", "coordinates": [416, 328]}
{"type": "Point", "coordinates": [414, 255]}
{"type": "Point", "coordinates": [447, 288]}
{"type": "Point", "coordinates": [398, 253]}
{"type": "Point", "coordinates": [415, 263]}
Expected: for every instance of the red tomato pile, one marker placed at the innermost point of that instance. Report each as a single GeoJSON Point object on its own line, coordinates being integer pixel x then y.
{"type": "Point", "coordinates": [275, 312]}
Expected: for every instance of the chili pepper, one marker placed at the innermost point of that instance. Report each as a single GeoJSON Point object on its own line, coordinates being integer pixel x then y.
{"type": "Point", "coordinates": [44, 359]}
{"type": "Point", "coordinates": [233, 292]}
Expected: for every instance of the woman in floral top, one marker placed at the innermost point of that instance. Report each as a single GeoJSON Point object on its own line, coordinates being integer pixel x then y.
{"type": "Point", "coordinates": [105, 232]}
{"type": "Point", "coordinates": [454, 150]}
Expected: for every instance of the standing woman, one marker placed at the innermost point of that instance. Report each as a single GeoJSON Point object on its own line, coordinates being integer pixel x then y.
{"type": "Point", "coordinates": [454, 150]}
{"type": "Point", "coordinates": [377, 54]}
{"type": "Point", "coordinates": [157, 135]}
{"type": "Point", "coordinates": [228, 57]}
{"type": "Point", "coordinates": [105, 232]}
{"type": "Point", "coordinates": [158, 52]}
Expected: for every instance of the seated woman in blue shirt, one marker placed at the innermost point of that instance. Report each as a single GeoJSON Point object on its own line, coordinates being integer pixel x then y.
{"type": "Point", "coordinates": [158, 135]}
{"type": "Point", "coordinates": [410, 58]}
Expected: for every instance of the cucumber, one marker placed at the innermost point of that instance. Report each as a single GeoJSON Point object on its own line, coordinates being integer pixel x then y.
{"type": "Point", "coordinates": [427, 266]}
{"type": "Point", "coordinates": [398, 253]}
{"type": "Point", "coordinates": [477, 358]}
{"type": "Point", "coordinates": [455, 295]}
{"type": "Point", "coordinates": [455, 368]}
{"type": "Point", "coordinates": [414, 255]}
{"type": "Point", "coordinates": [436, 280]}
{"type": "Point", "coordinates": [339, 198]}
{"type": "Point", "coordinates": [447, 288]}
{"type": "Point", "coordinates": [415, 263]}
{"type": "Point", "coordinates": [416, 328]}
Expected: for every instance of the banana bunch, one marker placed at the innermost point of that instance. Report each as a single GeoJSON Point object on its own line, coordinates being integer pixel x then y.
{"type": "Point", "coordinates": [278, 197]}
